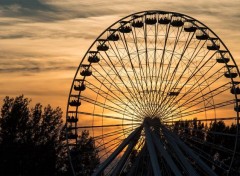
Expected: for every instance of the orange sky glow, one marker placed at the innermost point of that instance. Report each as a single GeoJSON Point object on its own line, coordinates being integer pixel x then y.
{"type": "Point", "coordinates": [42, 42]}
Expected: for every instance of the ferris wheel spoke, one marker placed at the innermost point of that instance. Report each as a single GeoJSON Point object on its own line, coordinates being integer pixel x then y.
{"type": "Point", "coordinates": [124, 42]}
{"type": "Point", "coordinates": [186, 113]}
{"type": "Point", "coordinates": [201, 81]}
{"type": "Point", "coordinates": [131, 92]}
{"type": "Point", "coordinates": [161, 69]}
{"type": "Point", "coordinates": [138, 90]}
{"type": "Point", "coordinates": [109, 149]}
{"type": "Point", "coordinates": [110, 142]}
{"type": "Point", "coordinates": [201, 85]}
{"type": "Point", "coordinates": [147, 78]}
{"type": "Point", "coordinates": [150, 52]}
{"type": "Point", "coordinates": [146, 55]}
{"type": "Point", "coordinates": [133, 117]}
{"type": "Point", "coordinates": [143, 75]}
{"type": "Point", "coordinates": [154, 66]}
{"type": "Point", "coordinates": [118, 102]}
{"type": "Point", "coordinates": [189, 39]}
{"type": "Point", "coordinates": [102, 105]}
{"type": "Point", "coordinates": [202, 109]}
{"type": "Point", "coordinates": [187, 43]}
{"type": "Point", "coordinates": [190, 61]}
{"type": "Point", "coordinates": [113, 96]}
{"type": "Point", "coordinates": [135, 87]}
{"type": "Point", "coordinates": [167, 71]}
{"type": "Point", "coordinates": [113, 133]}
{"type": "Point", "coordinates": [177, 81]}
{"type": "Point", "coordinates": [140, 64]}
{"type": "Point", "coordinates": [104, 126]}
{"type": "Point", "coordinates": [136, 78]}
{"type": "Point", "coordinates": [112, 82]}
{"type": "Point", "coordinates": [208, 95]}
{"type": "Point", "coordinates": [189, 99]}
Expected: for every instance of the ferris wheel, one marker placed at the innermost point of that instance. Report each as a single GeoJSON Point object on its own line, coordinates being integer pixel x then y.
{"type": "Point", "coordinates": [158, 92]}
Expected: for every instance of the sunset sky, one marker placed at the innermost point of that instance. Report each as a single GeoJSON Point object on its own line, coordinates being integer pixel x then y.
{"type": "Point", "coordinates": [43, 41]}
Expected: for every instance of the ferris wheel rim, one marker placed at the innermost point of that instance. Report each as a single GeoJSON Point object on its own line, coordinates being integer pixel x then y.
{"type": "Point", "coordinates": [153, 11]}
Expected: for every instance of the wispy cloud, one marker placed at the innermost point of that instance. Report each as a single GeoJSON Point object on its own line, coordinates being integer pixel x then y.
{"type": "Point", "coordinates": [37, 29]}
{"type": "Point", "coordinates": [38, 37]}
{"type": "Point", "coordinates": [33, 9]}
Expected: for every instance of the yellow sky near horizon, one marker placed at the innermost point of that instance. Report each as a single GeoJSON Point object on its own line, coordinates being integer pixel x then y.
{"type": "Point", "coordinates": [42, 42]}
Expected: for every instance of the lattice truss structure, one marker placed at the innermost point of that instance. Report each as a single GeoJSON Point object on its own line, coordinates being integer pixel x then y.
{"type": "Point", "coordinates": [142, 87]}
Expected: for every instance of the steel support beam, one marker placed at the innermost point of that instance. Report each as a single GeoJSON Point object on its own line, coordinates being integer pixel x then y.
{"type": "Point", "coordinates": [125, 156]}
{"type": "Point", "coordinates": [125, 142]}
{"type": "Point", "coordinates": [152, 152]}
{"type": "Point", "coordinates": [165, 155]}
{"type": "Point", "coordinates": [190, 152]}
{"type": "Point", "coordinates": [182, 158]}
{"type": "Point", "coordinates": [137, 161]}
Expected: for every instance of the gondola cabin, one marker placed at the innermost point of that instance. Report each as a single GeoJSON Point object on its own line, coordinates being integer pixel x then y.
{"type": "Point", "coordinates": [222, 57]}
{"type": "Point", "coordinates": [72, 119]}
{"type": "Point", "coordinates": [137, 24]}
{"type": "Point", "coordinates": [93, 57]}
{"type": "Point", "coordinates": [85, 70]}
{"type": "Point", "coordinates": [230, 74]}
{"type": "Point", "coordinates": [125, 27]}
{"type": "Point", "coordinates": [80, 87]}
{"type": "Point", "coordinates": [177, 22]}
{"type": "Point", "coordinates": [189, 27]}
{"type": "Point", "coordinates": [74, 103]}
{"type": "Point", "coordinates": [164, 19]}
{"type": "Point", "coordinates": [235, 90]}
{"type": "Point", "coordinates": [201, 34]}
{"type": "Point", "coordinates": [112, 35]}
{"type": "Point", "coordinates": [213, 44]}
{"type": "Point", "coordinates": [71, 135]}
{"type": "Point", "coordinates": [151, 20]}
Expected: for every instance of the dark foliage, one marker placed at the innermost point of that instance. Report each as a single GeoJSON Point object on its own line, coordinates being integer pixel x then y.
{"type": "Point", "coordinates": [32, 141]}
{"type": "Point", "coordinates": [84, 155]}
{"type": "Point", "coordinates": [215, 140]}
{"type": "Point", "coordinates": [29, 138]}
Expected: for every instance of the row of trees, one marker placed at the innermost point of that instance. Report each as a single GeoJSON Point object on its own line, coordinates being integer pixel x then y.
{"type": "Point", "coordinates": [32, 141]}
{"type": "Point", "coordinates": [214, 140]}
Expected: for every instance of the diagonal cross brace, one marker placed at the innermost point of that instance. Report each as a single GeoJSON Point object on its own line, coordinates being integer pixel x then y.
{"type": "Point", "coordinates": [196, 158]}
{"type": "Point", "coordinates": [152, 152]}
{"type": "Point", "coordinates": [182, 158]}
{"type": "Point", "coordinates": [125, 142]}
{"type": "Point", "coordinates": [125, 156]}
{"type": "Point", "coordinates": [165, 155]}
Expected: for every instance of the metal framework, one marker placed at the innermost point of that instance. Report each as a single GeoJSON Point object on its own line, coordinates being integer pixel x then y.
{"type": "Point", "coordinates": [153, 90]}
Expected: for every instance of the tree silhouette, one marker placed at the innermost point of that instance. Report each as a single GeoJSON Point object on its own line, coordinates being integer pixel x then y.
{"type": "Point", "coordinates": [216, 138]}
{"type": "Point", "coordinates": [29, 138]}
{"type": "Point", "coordinates": [33, 142]}
{"type": "Point", "coordinates": [84, 155]}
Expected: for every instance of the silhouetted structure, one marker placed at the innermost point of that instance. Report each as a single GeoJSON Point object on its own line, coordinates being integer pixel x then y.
{"type": "Point", "coordinates": [144, 78]}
